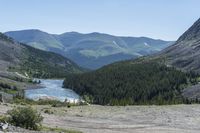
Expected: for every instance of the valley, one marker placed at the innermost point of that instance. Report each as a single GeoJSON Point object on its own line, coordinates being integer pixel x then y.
{"type": "Point", "coordinates": [156, 79]}
{"type": "Point", "coordinates": [117, 80]}
{"type": "Point", "coordinates": [159, 79]}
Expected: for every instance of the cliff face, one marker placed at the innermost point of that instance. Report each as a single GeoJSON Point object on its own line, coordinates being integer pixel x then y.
{"type": "Point", "coordinates": [185, 53]}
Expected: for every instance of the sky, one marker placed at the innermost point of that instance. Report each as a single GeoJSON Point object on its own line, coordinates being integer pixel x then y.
{"type": "Point", "coordinates": [159, 19]}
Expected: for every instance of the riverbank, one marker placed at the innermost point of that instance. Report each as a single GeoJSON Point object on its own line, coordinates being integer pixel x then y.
{"type": "Point", "coordinates": [120, 119]}
{"type": "Point", "coordinates": [52, 89]}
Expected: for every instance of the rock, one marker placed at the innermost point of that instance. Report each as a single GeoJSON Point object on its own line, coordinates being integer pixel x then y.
{"type": "Point", "coordinates": [4, 126]}
{"type": "Point", "coordinates": [185, 53]}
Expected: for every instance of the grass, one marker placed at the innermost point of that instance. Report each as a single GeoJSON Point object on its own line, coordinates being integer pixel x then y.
{"type": "Point", "coordinates": [3, 118]}
{"type": "Point", "coordinates": [53, 103]}
{"type": "Point", "coordinates": [58, 130]}
{"type": "Point", "coordinates": [10, 91]}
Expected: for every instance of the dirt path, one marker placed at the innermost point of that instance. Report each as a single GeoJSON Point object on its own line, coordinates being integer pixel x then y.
{"type": "Point", "coordinates": [130, 119]}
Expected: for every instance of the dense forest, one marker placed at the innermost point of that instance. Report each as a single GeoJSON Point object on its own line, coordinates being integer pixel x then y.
{"type": "Point", "coordinates": [129, 83]}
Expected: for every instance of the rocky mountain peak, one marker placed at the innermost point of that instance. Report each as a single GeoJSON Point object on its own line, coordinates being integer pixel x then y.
{"type": "Point", "coordinates": [192, 33]}
{"type": "Point", "coordinates": [185, 53]}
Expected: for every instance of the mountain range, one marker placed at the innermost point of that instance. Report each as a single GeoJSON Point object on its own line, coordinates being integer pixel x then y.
{"type": "Point", "coordinates": [92, 50]}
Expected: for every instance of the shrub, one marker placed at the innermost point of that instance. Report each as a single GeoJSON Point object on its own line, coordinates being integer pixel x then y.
{"type": "Point", "coordinates": [48, 111]}
{"type": "Point", "coordinates": [25, 117]}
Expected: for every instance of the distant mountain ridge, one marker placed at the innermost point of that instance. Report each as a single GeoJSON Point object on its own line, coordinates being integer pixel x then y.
{"type": "Point", "coordinates": [91, 50]}
{"type": "Point", "coordinates": [18, 57]}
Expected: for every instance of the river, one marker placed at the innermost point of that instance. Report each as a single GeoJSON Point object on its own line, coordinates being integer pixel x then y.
{"type": "Point", "coordinates": [52, 89]}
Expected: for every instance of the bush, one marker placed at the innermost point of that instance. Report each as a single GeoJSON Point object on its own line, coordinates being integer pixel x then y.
{"type": "Point", "coordinates": [25, 117]}
{"type": "Point", "coordinates": [48, 111]}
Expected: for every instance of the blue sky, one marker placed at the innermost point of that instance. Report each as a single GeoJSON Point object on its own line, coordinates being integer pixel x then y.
{"type": "Point", "coordinates": [163, 19]}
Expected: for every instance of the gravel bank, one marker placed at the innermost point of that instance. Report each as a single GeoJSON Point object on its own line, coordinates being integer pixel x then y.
{"type": "Point", "coordinates": [129, 119]}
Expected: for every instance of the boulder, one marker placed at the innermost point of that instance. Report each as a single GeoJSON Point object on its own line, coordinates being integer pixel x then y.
{"type": "Point", "coordinates": [4, 126]}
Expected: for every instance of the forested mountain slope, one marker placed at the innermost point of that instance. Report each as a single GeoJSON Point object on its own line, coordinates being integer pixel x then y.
{"type": "Point", "coordinates": [131, 82]}
{"type": "Point", "coordinates": [18, 57]}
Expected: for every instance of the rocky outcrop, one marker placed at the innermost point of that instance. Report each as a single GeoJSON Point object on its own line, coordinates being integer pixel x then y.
{"type": "Point", "coordinates": [185, 53]}
{"type": "Point", "coordinates": [3, 126]}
